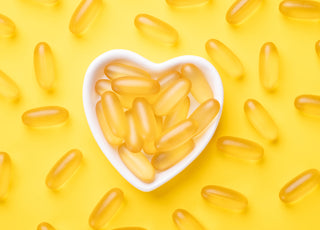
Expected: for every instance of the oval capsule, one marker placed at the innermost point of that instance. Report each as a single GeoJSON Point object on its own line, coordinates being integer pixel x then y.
{"type": "Point", "coordinates": [7, 27]}
{"type": "Point", "coordinates": [225, 58]}
{"type": "Point", "coordinates": [45, 226]}
{"type": "Point", "coordinates": [179, 113]}
{"type": "Point", "coordinates": [8, 88]}
{"type": "Point", "coordinates": [308, 104]}
{"type": "Point", "coordinates": [300, 9]}
{"type": "Point", "coordinates": [241, 10]}
{"type": "Point", "coordinates": [300, 186]}
{"type": "Point", "coordinates": [102, 85]}
{"type": "Point", "coordinates": [185, 221]}
{"type": "Point", "coordinates": [116, 70]}
{"type": "Point", "coordinates": [63, 170]}
{"type": "Point", "coordinates": [5, 174]}
{"type": "Point", "coordinates": [317, 47]}
{"type": "Point", "coordinates": [45, 116]}
{"type": "Point", "coordinates": [183, 3]}
{"type": "Point", "coordinates": [106, 208]}
{"type": "Point", "coordinates": [156, 29]}
{"type": "Point", "coordinates": [84, 15]}
{"type": "Point", "coordinates": [133, 141]}
{"type": "Point", "coordinates": [261, 120]}
{"type": "Point", "coordinates": [135, 86]}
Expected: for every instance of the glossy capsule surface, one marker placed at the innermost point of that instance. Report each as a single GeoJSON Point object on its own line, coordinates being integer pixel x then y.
{"type": "Point", "coordinates": [300, 186]}
{"type": "Point", "coordinates": [156, 29]}
{"type": "Point", "coordinates": [225, 198]}
{"type": "Point", "coordinates": [225, 58]}
{"type": "Point", "coordinates": [45, 226]}
{"type": "Point", "coordinates": [135, 86]}
{"type": "Point", "coordinates": [300, 9]}
{"type": "Point", "coordinates": [102, 85]}
{"type": "Point", "coordinates": [308, 104]}
{"type": "Point", "coordinates": [107, 207]}
{"type": "Point", "coordinates": [7, 27]}
{"type": "Point", "coordinates": [44, 65]}
{"type": "Point", "coordinates": [240, 148]}
{"type": "Point", "coordinates": [269, 66]}
{"type": "Point", "coordinates": [138, 164]}
{"type": "Point", "coordinates": [200, 88]}
{"type": "Point", "coordinates": [116, 70]}
{"type": "Point", "coordinates": [45, 116]}
{"type": "Point", "coordinates": [241, 10]}
{"type": "Point", "coordinates": [5, 174]}
{"type": "Point", "coordinates": [179, 113]}
{"type": "Point", "coordinates": [64, 169]}
{"type": "Point", "coordinates": [84, 15]}
{"type": "Point", "coordinates": [183, 3]}
{"type": "Point", "coordinates": [260, 119]}
{"type": "Point", "coordinates": [133, 140]}
{"type": "Point", "coordinates": [8, 88]}
{"type": "Point", "coordinates": [185, 221]}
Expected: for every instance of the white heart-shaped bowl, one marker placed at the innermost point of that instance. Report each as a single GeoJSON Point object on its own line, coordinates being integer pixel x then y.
{"type": "Point", "coordinates": [90, 98]}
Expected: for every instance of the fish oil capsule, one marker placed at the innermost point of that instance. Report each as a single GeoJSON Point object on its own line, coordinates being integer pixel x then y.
{"type": "Point", "coordinates": [8, 88]}
{"type": "Point", "coordinates": [260, 119]}
{"type": "Point", "coordinates": [64, 169]}
{"type": "Point", "coordinates": [200, 88]}
{"type": "Point", "coordinates": [45, 226]}
{"type": "Point", "coordinates": [308, 104]}
{"type": "Point", "coordinates": [225, 58]}
{"type": "Point", "coordinates": [185, 221]}
{"type": "Point", "coordinates": [240, 148]}
{"type": "Point", "coordinates": [106, 208]}
{"type": "Point", "coordinates": [171, 96]}
{"type": "Point", "coordinates": [45, 116]}
{"type": "Point", "coordinates": [241, 9]}
{"type": "Point", "coordinates": [183, 3]}
{"type": "Point", "coordinates": [164, 160]}
{"type": "Point", "coordinates": [44, 65]}
{"type": "Point", "coordinates": [269, 66]}
{"type": "Point", "coordinates": [133, 141]}
{"type": "Point", "coordinates": [179, 113]}
{"type": "Point", "coordinates": [135, 86]}
{"type": "Point", "coordinates": [129, 228]}
{"type": "Point", "coordinates": [300, 9]}
{"type": "Point", "coordinates": [156, 29]}
{"type": "Point", "coordinates": [317, 46]}
{"type": "Point", "coordinates": [102, 85]}
{"type": "Point", "coordinates": [177, 135]}
{"type": "Point", "coordinates": [205, 113]}
{"type": "Point", "coordinates": [84, 15]}
{"type": "Point", "coordinates": [116, 70]}
{"type": "Point", "coordinates": [5, 174]}
{"type": "Point", "coordinates": [225, 198]}
{"type": "Point", "coordinates": [7, 27]}
{"type": "Point", "coordinates": [138, 164]}
{"type": "Point", "coordinates": [300, 186]}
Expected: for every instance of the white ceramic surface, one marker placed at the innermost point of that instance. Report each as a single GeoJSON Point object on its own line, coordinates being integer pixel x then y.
{"type": "Point", "coordinates": [90, 98]}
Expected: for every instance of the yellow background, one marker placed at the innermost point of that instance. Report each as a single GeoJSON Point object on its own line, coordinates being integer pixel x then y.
{"type": "Point", "coordinates": [34, 152]}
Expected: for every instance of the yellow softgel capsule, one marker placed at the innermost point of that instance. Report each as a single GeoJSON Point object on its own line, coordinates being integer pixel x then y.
{"type": "Point", "coordinates": [106, 208]}
{"type": "Point", "coordinates": [156, 29]}
{"type": "Point", "coordinates": [183, 3]}
{"type": "Point", "coordinates": [200, 88]}
{"type": "Point", "coordinates": [135, 86]}
{"type": "Point", "coordinates": [225, 58]}
{"type": "Point", "coordinates": [138, 164]}
{"type": "Point", "coordinates": [240, 148]}
{"type": "Point", "coordinates": [300, 186]}
{"type": "Point", "coordinates": [225, 198]}
{"type": "Point", "coordinates": [133, 141]}
{"type": "Point", "coordinates": [269, 66]}
{"type": "Point", "coordinates": [116, 70]}
{"type": "Point", "coordinates": [45, 116]}
{"type": "Point", "coordinates": [179, 113]}
{"type": "Point", "coordinates": [8, 88]}
{"type": "Point", "coordinates": [44, 65]}
{"type": "Point", "coordinates": [7, 27]}
{"type": "Point", "coordinates": [185, 221]}
{"type": "Point", "coordinates": [64, 169]}
{"type": "Point", "coordinates": [171, 96]}
{"type": "Point", "coordinates": [317, 47]}
{"type": "Point", "coordinates": [5, 174]}
{"type": "Point", "coordinates": [164, 160]}
{"type": "Point", "coordinates": [300, 9]}
{"type": "Point", "coordinates": [241, 10]}
{"type": "Point", "coordinates": [45, 226]}
{"type": "Point", "coordinates": [260, 119]}
{"type": "Point", "coordinates": [102, 85]}
{"type": "Point", "coordinates": [308, 104]}
{"type": "Point", "coordinates": [84, 15]}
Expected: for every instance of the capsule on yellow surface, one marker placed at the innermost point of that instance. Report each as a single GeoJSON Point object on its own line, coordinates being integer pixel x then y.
{"type": "Point", "coordinates": [269, 66]}
{"type": "Point", "coordinates": [308, 104]}
{"type": "Point", "coordinates": [133, 141]}
{"type": "Point", "coordinates": [116, 70]}
{"type": "Point", "coordinates": [129, 228]}
{"type": "Point", "coordinates": [106, 208]}
{"type": "Point", "coordinates": [5, 174]}
{"type": "Point", "coordinates": [241, 9]}
{"type": "Point", "coordinates": [45, 226]}
{"type": "Point", "coordinates": [317, 46]}
{"type": "Point", "coordinates": [64, 169]}
{"type": "Point", "coordinates": [300, 9]}
{"type": "Point", "coordinates": [183, 3]}
{"type": "Point", "coordinates": [240, 148]}
{"type": "Point", "coordinates": [205, 113]}
{"type": "Point", "coordinates": [179, 113]}
{"type": "Point", "coordinates": [260, 119]}
{"type": "Point", "coordinates": [48, 2]}
{"type": "Point", "coordinates": [138, 164]}
{"type": "Point", "coordinates": [114, 114]}
{"type": "Point", "coordinates": [156, 29]}
{"type": "Point", "coordinates": [164, 160]}
{"type": "Point", "coordinates": [225, 58]}
{"type": "Point", "coordinates": [135, 86]}
{"type": "Point", "coordinates": [8, 88]}
{"type": "Point", "coordinates": [300, 186]}
{"type": "Point", "coordinates": [185, 221]}
{"type": "Point", "coordinates": [7, 27]}
{"type": "Point", "coordinates": [44, 65]}
{"type": "Point", "coordinates": [102, 85]}
{"type": "Point", "coordinates": [200, 88]}
{"type": "Point", "coordinates": [225, 198]}
{"type": "Point", "coordinates": [84, 15]}
{"type": "Point", "coordinates": [45, 116]}
{"type": "Point", "coordinates": [171, 96]}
